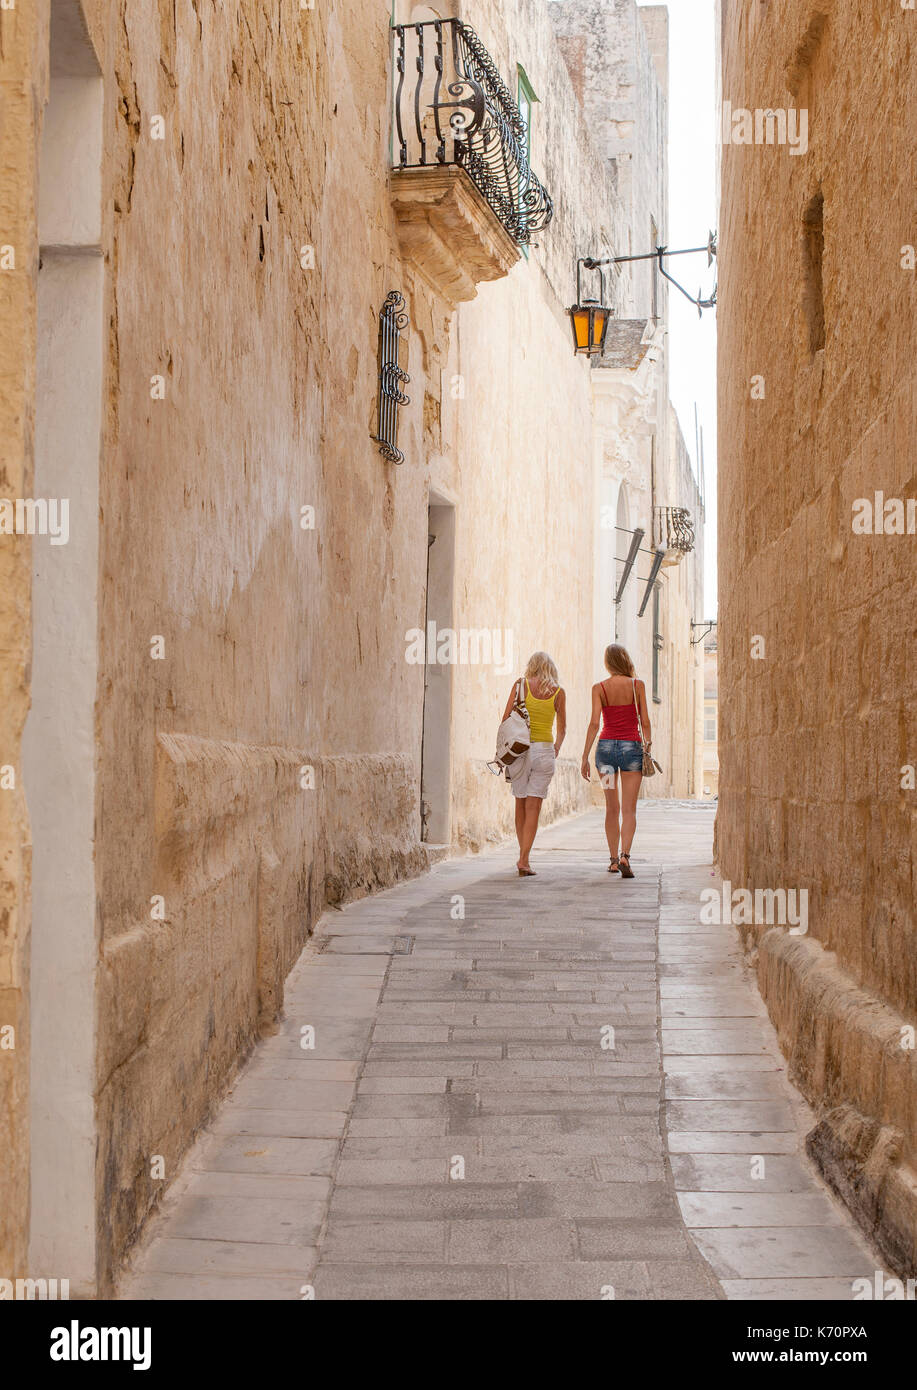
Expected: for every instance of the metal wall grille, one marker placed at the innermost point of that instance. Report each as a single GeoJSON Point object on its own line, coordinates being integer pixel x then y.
{"type": "Point", "coordinates": [392, 322]}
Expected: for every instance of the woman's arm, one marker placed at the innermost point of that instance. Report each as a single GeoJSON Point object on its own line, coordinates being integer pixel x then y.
{"type": "Point", "coordinates": [644, 714]}
{"type": "Point", "coordinates": [510, 702]}
{"type": "Point", "coordinates": [560, 708]}
{"type": "Point", "coordinates": [593, 729]}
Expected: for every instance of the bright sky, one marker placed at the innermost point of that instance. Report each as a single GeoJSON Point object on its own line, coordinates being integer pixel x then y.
{"type": "Point", "coordinates": [692, 214]}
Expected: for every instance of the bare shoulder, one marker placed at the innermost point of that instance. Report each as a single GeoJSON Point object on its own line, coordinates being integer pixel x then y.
{"type": "Point", "coordinates": [640, 684]}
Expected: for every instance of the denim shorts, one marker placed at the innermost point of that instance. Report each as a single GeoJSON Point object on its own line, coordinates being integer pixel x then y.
{"type": "Point", "coordinates": [618, 755]}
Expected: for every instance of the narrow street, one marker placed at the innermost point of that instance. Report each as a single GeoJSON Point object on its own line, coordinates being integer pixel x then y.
{"type": "Point", "coordinates": [491, 1109]}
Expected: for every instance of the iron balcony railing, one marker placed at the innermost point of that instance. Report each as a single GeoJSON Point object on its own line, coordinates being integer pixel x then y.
{"type": "Point", "coordinates": [674, 529]}
{"type": "Point", "coordinates": [453, 107]}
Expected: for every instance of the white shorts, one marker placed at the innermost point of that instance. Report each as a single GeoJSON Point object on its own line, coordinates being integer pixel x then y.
{"type": "Point", "coordinates": [535, 778]}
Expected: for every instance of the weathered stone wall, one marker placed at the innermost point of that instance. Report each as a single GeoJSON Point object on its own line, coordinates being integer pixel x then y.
{"type": "Point", "coordinates": [815, 732]}
{"type": "Point", "coordinates": [283, 702]}
{"type": "Point", "coordinates": [283, 647]}
{"type": "Point", "coordinates": [259, 726]}
{"type": "Point", "coordinates": [23, 78]}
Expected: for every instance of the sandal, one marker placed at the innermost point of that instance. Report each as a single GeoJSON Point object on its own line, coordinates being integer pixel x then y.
{"type": "Point", "coordinates": [626, 870]}
{"type": "Point", "coordinates": [613, 866]}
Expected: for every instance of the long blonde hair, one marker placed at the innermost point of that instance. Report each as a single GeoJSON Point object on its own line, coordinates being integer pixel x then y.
{"type": "Point", "coordinates": [542, 670]}
{"type": "Point", "coordinates": [618, 662]}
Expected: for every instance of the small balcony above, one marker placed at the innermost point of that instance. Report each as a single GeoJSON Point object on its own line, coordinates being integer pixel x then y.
{"type": "Point", "coordinates": [673, 531]}
{"type": "Point", "coordinates": [463, 191]}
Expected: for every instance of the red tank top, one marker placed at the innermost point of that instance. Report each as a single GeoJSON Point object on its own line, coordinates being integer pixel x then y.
{"type": "Point", "coordinates": [619, 721]}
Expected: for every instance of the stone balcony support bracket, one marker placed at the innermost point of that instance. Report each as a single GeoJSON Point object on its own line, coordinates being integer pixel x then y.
{"type": "Point", "coordinates": [448, 233]}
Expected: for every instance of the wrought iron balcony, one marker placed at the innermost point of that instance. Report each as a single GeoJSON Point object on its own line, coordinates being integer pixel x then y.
{"type": "Point", "coordinates": [674, 529]}
{"type": "Point", "coordinates": [453, 108]}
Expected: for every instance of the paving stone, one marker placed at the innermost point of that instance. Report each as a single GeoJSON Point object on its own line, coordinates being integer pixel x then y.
{"type": "Point", "coordinates": [695, 1172]}
{"type": "Point", "coordinates": [204, 1287]}
{"type": "Point", "coordinates": [784, 1252]}
{"type": "Point", "coordinates": [486, 1042]}
{"type": "Point", "coordinates": [712, 1042]}
{"type": "Point", "coordinates": [410, 1106]}
{"type": "Point", "coordinates": [731, 1115]}
{"type": "Point", "coordinates": [244, 1185]}
{"type": "Point", "coordinates": [268, 1220]}
{"type": "Point", "coordinates": [178, 1256]}
{"type": "Point", "coordinates": [790, 1290]}
{"type": "Point", "coordinates": [718, 1085]}
{"type": "Point", "coordinates": [590, 1200]}
{"type": "Point", "coordinates": [305, 1067]}
{"type": "Point", "coordinates": [638, 1240]}
{"type": "Point", "coordinates": [682, 1281]}
{"type": "Point", "coordinates": [294, 1124]}
{"type": "Point", "coordinates": [415, 1283]}
{"type": "Point", "coordinates": [580, 1280]}
{"type": "Point", "coordinates": [705, 1209]}
{"type": "Point", "coordinates": [396, 1126]}
{"type": "Point", "coordinates": [383, 1241]}
{"type": "Point", "coordinates": [402, 1085]}
{"type": "Point", "coordinates": [722, 1142]}
{"type": "Point", "coordinates": [413, 1146]}
{"type": "Point", "coordinates": [253, 1093]}
{"type": "Point", "coordinates": [269, 1154]}
{"type": "Point", "coordinates": [520, 1239]}
{"type": "Point", "coordinates": [372, 1172]}
{"type": "Point", "coordinates": [440, 1200]}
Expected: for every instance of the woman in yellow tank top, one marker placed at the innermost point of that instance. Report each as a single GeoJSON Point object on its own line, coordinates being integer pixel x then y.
{"type": "Point", "coordinates": [545, 701]}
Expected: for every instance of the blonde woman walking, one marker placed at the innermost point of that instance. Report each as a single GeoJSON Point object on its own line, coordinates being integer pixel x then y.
{"type": "Point", "coordinates": [619, 702]}
{"type": "Point", "coordinates": [544, 700]}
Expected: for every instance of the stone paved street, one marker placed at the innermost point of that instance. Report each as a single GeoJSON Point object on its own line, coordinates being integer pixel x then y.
{"type": "Point", "coordinates": [467, 1127]}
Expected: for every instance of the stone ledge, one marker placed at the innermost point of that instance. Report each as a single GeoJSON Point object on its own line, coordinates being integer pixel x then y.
{"type": "Point", "coordinates": [858, 1159]}
{"type": "Point", "coordinates": [844, 1051]}
{"type": "Point", "coordinates": [448, 232]}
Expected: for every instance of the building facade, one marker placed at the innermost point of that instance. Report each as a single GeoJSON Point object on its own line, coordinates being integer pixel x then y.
{"type": "Point", "coordinates": [817, 565]}
{"type": "Point", "coordinates": [264, 671]}
{"type": "Point", "coordinates": [711, 779]}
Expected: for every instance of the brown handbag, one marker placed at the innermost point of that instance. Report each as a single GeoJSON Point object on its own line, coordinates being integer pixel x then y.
{"type": "Point", "coordinates": [650, 765]}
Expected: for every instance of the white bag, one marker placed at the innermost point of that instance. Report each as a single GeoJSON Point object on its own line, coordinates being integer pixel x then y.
{"type": "Point", "coordinates": [514, 738]}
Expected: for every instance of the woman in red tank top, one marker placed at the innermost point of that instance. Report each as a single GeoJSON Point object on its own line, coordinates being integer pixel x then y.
{"type": "Point", "coordinates": [615, 703]}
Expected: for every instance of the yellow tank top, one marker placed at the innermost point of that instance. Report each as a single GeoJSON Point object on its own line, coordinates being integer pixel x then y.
{"type": "Point", "coordinates": [541, 716]}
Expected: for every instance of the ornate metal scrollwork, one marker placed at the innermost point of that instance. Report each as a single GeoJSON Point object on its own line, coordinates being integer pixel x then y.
{"type": "Point", "coordinates": [393, 320]}
{"type": "Point", "coordinates": [676, 529]}
{"type": "Point", "coordinates": [483, 131]}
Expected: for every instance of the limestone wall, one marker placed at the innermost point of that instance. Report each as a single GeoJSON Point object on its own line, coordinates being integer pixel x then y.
{"type": "Point", "coordinates": [817, 724]}
{"type": "Point", "coordinates": [23, 78]}
{"type": "Point", "coordinates": [260, 728]}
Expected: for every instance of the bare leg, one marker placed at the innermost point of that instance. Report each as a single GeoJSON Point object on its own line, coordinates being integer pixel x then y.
{"type": "Point", "coordinates": [529, 829]}
{"type": "Point", "coordinates": [630, 788]}
{"type": "Point", "coordinates": [612, 812]}
{"type": "Point", "coordinates": [520, 818]}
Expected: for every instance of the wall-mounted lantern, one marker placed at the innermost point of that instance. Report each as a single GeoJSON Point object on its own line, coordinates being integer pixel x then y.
{"type": "Point", "coordinates": [586, 329]}
{"type": "Point", "coordinates": [589, 316]}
